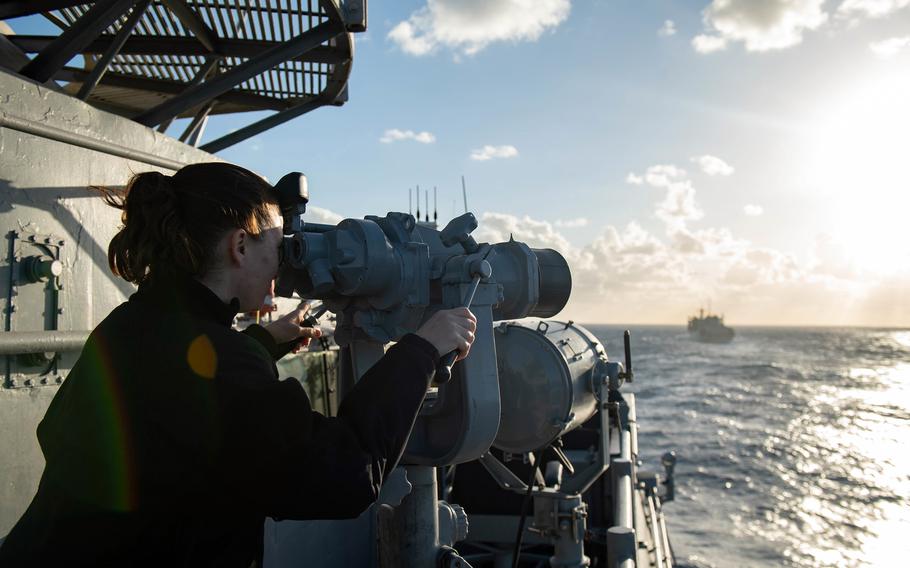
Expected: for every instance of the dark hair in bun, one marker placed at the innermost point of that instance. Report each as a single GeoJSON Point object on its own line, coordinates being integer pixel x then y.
{"type": "Point", "coordinates": [173, 223]}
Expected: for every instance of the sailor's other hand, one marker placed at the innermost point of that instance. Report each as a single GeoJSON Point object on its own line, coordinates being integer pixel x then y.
{"type": "Point", "coordinates": [289, 327]}
{"type": "Point", "coordinates": [448, 330]}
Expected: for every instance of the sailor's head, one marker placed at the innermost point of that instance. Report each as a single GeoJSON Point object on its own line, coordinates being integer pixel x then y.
{"type": "Point", "coordinates": [215, 221]}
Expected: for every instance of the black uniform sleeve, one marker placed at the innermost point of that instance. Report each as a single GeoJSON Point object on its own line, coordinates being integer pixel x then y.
{"type": "Point", "coordinates": [262, 336]}
{"type": "Point", "coordinates": [287, 461]}
{"type": "Point", "coordinates": [383, 405]}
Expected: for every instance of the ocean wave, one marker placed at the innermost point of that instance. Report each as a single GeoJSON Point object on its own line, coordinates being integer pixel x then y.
{"type": "Point", "coordinates": [779, 438]}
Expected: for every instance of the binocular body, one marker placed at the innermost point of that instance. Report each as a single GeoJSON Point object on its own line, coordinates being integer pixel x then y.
{"type": "Point", "coordinates": [385, 276]}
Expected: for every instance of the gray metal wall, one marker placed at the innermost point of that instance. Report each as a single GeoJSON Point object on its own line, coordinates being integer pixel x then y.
{"type": "Point", "coordinates": [52, 148]}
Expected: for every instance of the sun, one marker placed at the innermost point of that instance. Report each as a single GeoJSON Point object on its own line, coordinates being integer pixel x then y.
{"type": "Point", "coordinates": [858, 149]}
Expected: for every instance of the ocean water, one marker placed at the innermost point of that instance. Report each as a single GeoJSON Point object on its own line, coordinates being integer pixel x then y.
{"type": "Point", "coordinates": [793, 445]}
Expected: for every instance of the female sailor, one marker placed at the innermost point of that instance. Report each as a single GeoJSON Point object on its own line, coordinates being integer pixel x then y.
{"type": "Point", "coordinates": [173, 438]}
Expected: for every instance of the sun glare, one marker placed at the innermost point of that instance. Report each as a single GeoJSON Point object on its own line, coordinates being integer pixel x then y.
{"type": "Point", "coordinates": [859, 165]}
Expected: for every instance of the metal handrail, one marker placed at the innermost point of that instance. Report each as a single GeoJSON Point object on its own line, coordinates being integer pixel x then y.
{"type": "Point", "coordinates": [21, 342]}
{"type": "Point", "coordinates": [83, 141]}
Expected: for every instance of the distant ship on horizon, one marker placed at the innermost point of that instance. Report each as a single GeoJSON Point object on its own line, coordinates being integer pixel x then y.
{"type": "Point", "coordinates": [710, 328]}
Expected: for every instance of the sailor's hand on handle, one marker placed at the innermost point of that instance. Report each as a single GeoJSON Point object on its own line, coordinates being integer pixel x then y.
{"type": "Point", "coordinates": [290, 327]}
{"type": "Point", "coordinates": [450, 330]}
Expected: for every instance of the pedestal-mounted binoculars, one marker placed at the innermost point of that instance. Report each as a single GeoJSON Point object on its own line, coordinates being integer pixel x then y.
{"type": "Point", "coordinates": [384, 276]}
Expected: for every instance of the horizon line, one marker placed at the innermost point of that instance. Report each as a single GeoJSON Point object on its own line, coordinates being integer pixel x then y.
{"type": "Point", "coordinates": [750, 325]}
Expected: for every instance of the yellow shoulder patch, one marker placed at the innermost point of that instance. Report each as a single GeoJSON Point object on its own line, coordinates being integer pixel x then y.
{"type": "Point", "coordinates": [202, 358]}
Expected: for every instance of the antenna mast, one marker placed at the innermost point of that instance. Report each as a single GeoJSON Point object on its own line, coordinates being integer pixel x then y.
{"type": "Point", "coordinates": [464, 194]}
{"type": "Point", "coordinates": [435, 216]}
{"type": "Point", "coordinates": [417, 196]}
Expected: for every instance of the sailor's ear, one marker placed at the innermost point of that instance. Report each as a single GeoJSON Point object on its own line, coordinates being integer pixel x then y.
{"type": "Point", "coordinates": [237, 241]}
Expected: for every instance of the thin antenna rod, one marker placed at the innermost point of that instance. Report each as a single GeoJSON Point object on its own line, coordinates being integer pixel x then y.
{"type": "Point", "coordinates": [417, 198]}
{"type": "Point", "coordinates": [464, 194]}
{"type": "Point", "coordinates": [410, 205]}
{"type": "Point", "coordinates": [435, 216]}
{"type": "Point", "coordinates": [426, 202]}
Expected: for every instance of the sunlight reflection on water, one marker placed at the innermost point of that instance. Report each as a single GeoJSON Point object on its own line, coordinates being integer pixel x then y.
{"type": "Point", "coordinates": [868, 445]}
{"type": "Point", "coordinates": [902, 337]}
{"type": "Point", "coordinates": [888, 543]}
{"type": "Point", "coordinates": [888, 537]}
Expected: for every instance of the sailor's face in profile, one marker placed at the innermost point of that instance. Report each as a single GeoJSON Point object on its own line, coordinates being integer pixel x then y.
{"type": "Point", "coordinates": [260, 268]}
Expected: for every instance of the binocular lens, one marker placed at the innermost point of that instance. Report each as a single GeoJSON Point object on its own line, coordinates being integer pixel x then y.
{"type": "Point", "coordinates": [555, 283]}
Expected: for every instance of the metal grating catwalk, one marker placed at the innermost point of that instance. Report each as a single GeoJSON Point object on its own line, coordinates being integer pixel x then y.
{"type": "Point", "coordinates": [157, 60]}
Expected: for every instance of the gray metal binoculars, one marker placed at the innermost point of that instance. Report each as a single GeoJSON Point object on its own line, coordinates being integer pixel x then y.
{"type": "Point", "coordinates": [384, 276]}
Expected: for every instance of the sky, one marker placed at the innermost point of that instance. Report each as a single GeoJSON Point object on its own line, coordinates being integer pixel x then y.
{"type": "Point", "coordinates": [751, 157]}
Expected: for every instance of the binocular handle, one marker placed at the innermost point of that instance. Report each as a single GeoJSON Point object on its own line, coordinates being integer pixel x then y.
{"type": "Point", "coordinates": [481, 269]}
{"type": "Point", "coordinates": [444, 368]}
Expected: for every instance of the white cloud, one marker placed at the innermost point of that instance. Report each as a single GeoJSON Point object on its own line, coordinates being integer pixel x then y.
{"type": "Point", "coordinates": [760, 26]}
{"type": "Point", "coordinates": [490, 152]}
{"type": "Point", "coordinates": [668, 29]}
{"type": "Point", "coordinates": [678, 205]}
{"type": "Point", "coordinates": [704, 43]}
{"type": "Point", "coordinates": [395, 135]}
{"type": "Point", "coordinates": [469, 26]}
{"type": "Point", "coordinates": [871, 8]}
{"type": "Point", "coordinates": [500, 227]}
{"type": "Point", "coordinates": [753, 266]}
{"type": "Point", "coordinates": [753, 210]}
{"type": "Point", "coordinates": [634, 179]}
{"type": "Point", "coordinates": [572, 223]}
{"type": "Point", "coordinates": [780, 24]}
{"type": "Point", "coordinates": [628, 274]}
{"type": "Point", "coordinates": [320, 215]}
{"type": "Point", "coordinates": [661, 175]}
{"type": "Point", "coordinates": [405, 34]}
{"type": "Point", "coordinates": [890, 47]}
{"type": "Point", "coordinates": [713, 166]}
